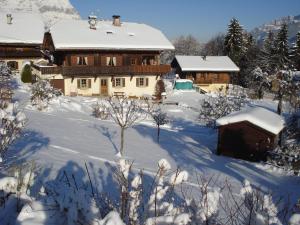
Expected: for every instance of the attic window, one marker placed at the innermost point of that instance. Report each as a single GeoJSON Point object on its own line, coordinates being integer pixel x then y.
{"type": "Point", "coordinates": [131, 34]}
{"type": "Point", "coordinates": [109, 32]}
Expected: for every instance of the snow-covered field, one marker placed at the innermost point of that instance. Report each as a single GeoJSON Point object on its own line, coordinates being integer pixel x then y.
{"type": "Point", "coordinates": [67, 136]}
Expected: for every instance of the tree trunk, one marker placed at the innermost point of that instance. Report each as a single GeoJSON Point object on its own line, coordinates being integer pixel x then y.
{"type": "Point", "coordinates": [122, 141]}
{"type": "Point", "coordinates": [279, 107]}
{"type": "Point", "coordinates": [158, 132]}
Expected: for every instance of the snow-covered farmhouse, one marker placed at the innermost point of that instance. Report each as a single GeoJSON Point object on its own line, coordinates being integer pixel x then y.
{"type": "Point", "coordinates": [209, 73]}
{"type": "Point", "coordinates": [21, 38]}
{"type": "Point", "coordinates": [249, 133]}
{"type": "Point", "coordinates": [96, 57]}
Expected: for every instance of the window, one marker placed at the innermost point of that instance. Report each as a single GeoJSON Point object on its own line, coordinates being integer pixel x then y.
{"type": "Point", "coordinates": [149, 60]}
{"type": "Point", "coordinates": [142, 82]}
{"type": "Point", "coordinates": [133, 61]}
{"type": "Point", "coordinates": [84, 83]}
{"type": "Point", "coordinates": [216, 77]}
{"type": "Point", "coordinates": [118, 82]}
{"type": "Point", "coordinates": [13, 65]}
{"type": "Point", "coordinates": [81, 60]}
{"type": "Point", "coordinates": [111, 61]}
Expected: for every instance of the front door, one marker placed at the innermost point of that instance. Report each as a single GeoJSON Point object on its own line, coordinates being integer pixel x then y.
{"type": "Point", "coordinates": [103, 87]}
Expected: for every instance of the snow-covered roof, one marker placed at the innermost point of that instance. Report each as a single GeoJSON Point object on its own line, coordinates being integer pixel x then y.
{"type": "Point", "coordinates": [76, 34]}
{"type": "Point", "coordinates": [26, 28]}
{"type": "Point", "coordinates": [258, 116]}
{"type": "Point", "coordinates": [210, 63]}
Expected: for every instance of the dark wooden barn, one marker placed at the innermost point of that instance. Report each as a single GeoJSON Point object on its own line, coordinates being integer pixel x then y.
{"type": "Point", "coordinates": [249, 134]}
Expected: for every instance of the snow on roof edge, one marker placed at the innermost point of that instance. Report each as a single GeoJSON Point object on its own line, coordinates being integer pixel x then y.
{"type": "Point", "coordinates": [261, 117]}
{"type": "Point", "coordinates": [211, 63]}
{"type": "Point", "coordinates": [115, 47]}
{"type": "Point", "coordinates": [210, 69]}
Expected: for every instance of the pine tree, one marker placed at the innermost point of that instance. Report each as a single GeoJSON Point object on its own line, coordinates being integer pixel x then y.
{"type": "Point", "coordinates": [234, 41]}
{"type": "Point", "coordinates": [248, 62]}
{"type": "Point", "coordinates": [281, 54]}
{"type": "Point", "coordinates": [266, 58]}
{"type": "Point", "coordinates": [295, 53]}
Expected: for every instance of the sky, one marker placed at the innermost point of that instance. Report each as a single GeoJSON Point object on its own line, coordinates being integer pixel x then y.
{"type": "Point", "coordinates": [200, 18]}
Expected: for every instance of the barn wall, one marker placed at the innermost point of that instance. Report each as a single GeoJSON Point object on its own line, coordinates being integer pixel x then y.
{"type": "Point", "coordinates": [245, 140]}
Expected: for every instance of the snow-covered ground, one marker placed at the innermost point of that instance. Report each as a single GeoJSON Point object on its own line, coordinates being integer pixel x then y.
{"type": "Point", "coordinates": [66, 136]}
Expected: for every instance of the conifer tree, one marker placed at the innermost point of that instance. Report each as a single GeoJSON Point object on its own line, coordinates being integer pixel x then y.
{"type": "Point", "coordinates": [234, 41]}
{"type": "Point", "coordinates": [295, 53]}
{"type": "Point", "coordinates": [266, 57]}
{"type": "Point", "coordinates": [281, 54]}
{"type": "Point", "coordinates": [26, 74]}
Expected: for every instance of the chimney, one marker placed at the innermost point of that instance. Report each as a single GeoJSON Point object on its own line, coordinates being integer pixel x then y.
{"type": "Point", "coordinates": [204, 57]}
{"type": "Point", "coordinates": [9, 18]}
{"type": "Point", "coordinates": [116, 20]}
{"type": "Point", "coordinates": [93, 22]}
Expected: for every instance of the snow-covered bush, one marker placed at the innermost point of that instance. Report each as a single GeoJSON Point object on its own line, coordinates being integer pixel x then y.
{"type": "Point", "coordinates": [287, 154]}
{"type": "Point", "coordinates": [15, 192]}
{"type": "Point", "coordinates": [41, 94]}
{"type": "Point", "coordinates": [154, 206]}
{"type": "Point", "coordinates": [259, 82]}
{"type": "Point", "coordinates": [287, 157]}
{"type": "Point", "coordinates": [100, 110]}
{"type": "Point", "coordinates": [12, 121]}
{"type": "Point", "coordinates": [205, 210]}
{"type": "Point", "coordinates": [214, 107]}
{"type": "Point", "coordinates": [75, 205]}
{"type": "Point", "coordinates": [250, 206]}
{"type": "Point", "coordinates": [5, 85]}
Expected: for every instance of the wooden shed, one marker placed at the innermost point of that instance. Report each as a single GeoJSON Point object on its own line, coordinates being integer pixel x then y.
{"type": "Point", "coordinates": [249, 134]}
{"type": "Point", "coordinates": [208, 73]}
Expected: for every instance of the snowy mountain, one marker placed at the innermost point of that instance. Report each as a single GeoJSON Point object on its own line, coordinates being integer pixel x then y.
{"type": "Point", "coordinates": [293, 27]}
{"type": "Point", "coordinates": [51, 10]}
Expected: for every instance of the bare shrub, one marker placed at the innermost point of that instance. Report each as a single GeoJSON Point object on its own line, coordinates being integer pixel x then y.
{"type": "Point", "coordinates": [100, 110]}
{"type": "Point", "coordinates": [41, 94]}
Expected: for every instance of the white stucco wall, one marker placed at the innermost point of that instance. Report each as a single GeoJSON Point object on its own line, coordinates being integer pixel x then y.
{"type": "Point", "coordinates": [130, 88]}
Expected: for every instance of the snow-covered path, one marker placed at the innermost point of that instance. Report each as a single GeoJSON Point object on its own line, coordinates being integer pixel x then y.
{"type": "Point", "coordinates": [67, 137]}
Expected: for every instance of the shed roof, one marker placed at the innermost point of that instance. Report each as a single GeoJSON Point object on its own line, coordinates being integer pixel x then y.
{"type": "Point", "coordinates": [76, 34]}
{"type": "Point", "coordinates": [208, 63]}
{"type": "Point", "coordinates": [26, 28]}
{"type": "Point", "coordinates": [258, 116]}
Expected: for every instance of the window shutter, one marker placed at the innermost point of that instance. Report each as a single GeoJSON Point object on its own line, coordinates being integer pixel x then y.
{"type": "Point", "coordinates": [78, 83]}
{"type": "Point", "coordinates": [147, 82]}
{"type": "Point", "coordinates": [89, 83]}
{"type": "Point", "coordinates": [123, 82]}
{"type": "Point", "coordinates": [113, 82]}
{"type": "Point", "coordinates": [137, 82]}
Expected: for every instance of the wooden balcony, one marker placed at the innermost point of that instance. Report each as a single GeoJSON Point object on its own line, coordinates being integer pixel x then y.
{"type": "Point", "coordinates": [20, 54]}
{"type": "Point", "coordinates": [104, 70]}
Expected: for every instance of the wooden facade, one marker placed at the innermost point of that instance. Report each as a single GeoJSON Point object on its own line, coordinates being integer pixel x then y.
{"type": "Point", "coordinates": [15, 54]}
{"type": "Point", "coordinates": [246, 141]}
{"type": "Point", "coordinates": [207, 77]}
{"type": "Point", "coordinates": [100, 67]}
{"type": "Point", "coordinates": [202, 77]}
{"type": "Point", "coordinates": [70, 62]}
{"type": "Point", "coordinates": [20, 51]}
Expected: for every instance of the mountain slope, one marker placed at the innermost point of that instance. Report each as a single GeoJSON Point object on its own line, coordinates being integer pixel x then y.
{"type": "Point", "coordinates": [50, 10]}
{"type": "Point", "coordinates": [293, 23]}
